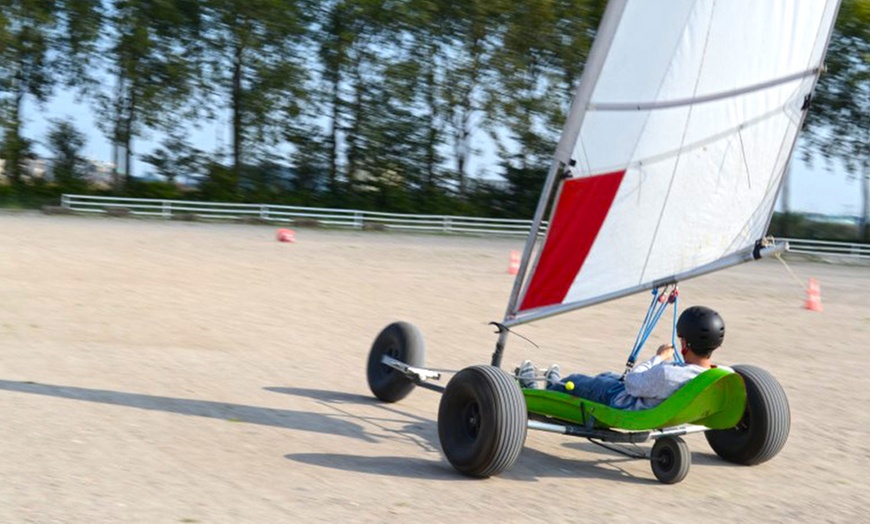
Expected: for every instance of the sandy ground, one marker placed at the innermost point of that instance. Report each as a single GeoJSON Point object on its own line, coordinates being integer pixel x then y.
{"type": "Point", "coordinates": [182, 372]}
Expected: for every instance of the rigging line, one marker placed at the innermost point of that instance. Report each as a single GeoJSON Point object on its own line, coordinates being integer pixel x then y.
{"type": "Point", "coordinates": [682, 143]}
{"type": "Point", "coordinates": [655, 321]}
{"type": "Point", "coordinates": [743, 156]}
{"type": "Point", "coordinates": [790, 272]}
{"type": "Point", "coordinates": [669, 104]}
{"type": "Point", "coordinates": [585, 155]}
{"type": "Point", "coordinates": [678, 356]}
{"type": "Point", "coordinates": [654, 314]}
{"type": "Point", "coordinates": [774, 182]}
{"type": "Point", "coordinates": [509, 330]}
{"type": "Point", "coordinates": [646, 120]}
{"type": "Point", "coordinates": [643, 127]}
{"type": "Point", "coordinates": [655, 293]}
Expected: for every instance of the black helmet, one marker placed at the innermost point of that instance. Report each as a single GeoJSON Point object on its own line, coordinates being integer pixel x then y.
{"type": "Point", "coordinates": [702, 328]}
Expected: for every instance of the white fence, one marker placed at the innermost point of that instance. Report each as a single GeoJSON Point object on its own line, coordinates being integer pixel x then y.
{"type": "Point", "coordinates": [827, 248]}
{"type": "Point", "coordinates": [360, 219]}
{"type": "Point", "coordinates": [274, 213]}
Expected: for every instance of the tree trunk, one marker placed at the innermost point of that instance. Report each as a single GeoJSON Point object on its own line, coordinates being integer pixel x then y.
{"type": "Point", "coordinates": [128, 140]}
{"type": "Point", "coordinates": [14, 143]}
{"type": "Point", "coordinates": [353, 152]}
{"type": "Point", "coordinates": [432, 138]}
{"type": "Point", "coordinates": [333, 132]}
{"type": "Point", "coordinates": [117, 132]}
{"type": "Point", "coordinates": [864, 223]}
{"type": "Point", "coordinates": [237, 114]}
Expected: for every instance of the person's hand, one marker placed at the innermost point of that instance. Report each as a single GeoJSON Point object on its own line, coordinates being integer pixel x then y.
{"type": "Point", "coordinates": [666, 352]}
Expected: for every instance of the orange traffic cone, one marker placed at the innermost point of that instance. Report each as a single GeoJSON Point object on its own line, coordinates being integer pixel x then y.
{"type": "Point", "coordinates": [514, 266]}
{"type": "Point", "coordinates": [814, 296]}
{"type": "Point", "coordinates": [286, 235]}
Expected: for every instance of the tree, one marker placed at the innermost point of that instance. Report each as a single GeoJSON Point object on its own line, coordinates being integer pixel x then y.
{"type": "Point", "coordinates": [351, 46]}
{"type": "Point", "coordinates": [255, 51]}
{"type": "Point", "coordinates": [25, 35]}
{"type": "Point", "coordinates": [469, 28]}
{"type": "Point", "coordinates": [65, 144]}
{"type": "Point", "coordinates": [177, 159]}
{"type": "Point", "coordinates": [838, 123]}
{"type": "Point", "coordinates": [40, 40]}
{"type": "Point", "coordinates": [152, 51]}
{"type": "Point", "coordinates": [522, 104]}
{"type": "Point", "coordinates": [543, 45]}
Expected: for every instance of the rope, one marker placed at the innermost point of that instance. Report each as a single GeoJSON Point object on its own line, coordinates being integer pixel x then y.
{"type": "Point", "coordinates": [654, 313]}
{"type": "Point", "coordinates": [655, 294]}
{"type": "Point", "coordinates": [790, 272]}
{"type": "Point", "coordinates": [677, 355]}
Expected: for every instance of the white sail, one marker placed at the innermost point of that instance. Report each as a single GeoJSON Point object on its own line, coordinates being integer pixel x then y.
{"type": "Point", "coordinates": [677, 143]}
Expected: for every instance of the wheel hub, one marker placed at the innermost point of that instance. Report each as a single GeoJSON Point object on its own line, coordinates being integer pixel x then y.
{"type": "Point", "coordinates": [471, 419]}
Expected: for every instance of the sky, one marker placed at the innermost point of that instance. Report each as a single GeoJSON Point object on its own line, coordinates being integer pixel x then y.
{"type": "Point", "coordinates": [814, 189]}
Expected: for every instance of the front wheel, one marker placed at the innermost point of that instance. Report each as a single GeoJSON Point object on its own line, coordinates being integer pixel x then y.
{"type": "Point", "coordinates": [763, 430]}
{"type": "Point", "coordinates": [401, 341]}
{"type": "Point", "coordinates": [482, 421]}
{"type": "Point", "coordinates": [670, 459]}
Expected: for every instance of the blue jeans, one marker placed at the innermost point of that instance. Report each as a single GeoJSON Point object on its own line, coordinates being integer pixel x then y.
{"type": "Point", "coordinates": [600, 388]}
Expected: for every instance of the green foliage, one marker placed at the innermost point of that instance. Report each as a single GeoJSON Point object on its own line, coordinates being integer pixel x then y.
{"type": "Point", "coordinates": [254, 61]}
{"type": "Point", "coordinates": [370, 104]}
{"type": "Point", "coordinates": [838, 123]}
{"type": "Point", "coordinates": [176, 158]}
{"type": "Point", "coordinates": [25, 69]}
{"type": "Point", "coordinates": [219, 185]}
{"type": "Point", "coordinates": [65, 143]}
{"type": "Point", "coordinates": [796, 225]}
{"type": "Point", "coordinates": [151, 52]}
{"type": "Point", "coordinates": [153, 189]}
{"type": "Point", "coordinates": [537, 67]}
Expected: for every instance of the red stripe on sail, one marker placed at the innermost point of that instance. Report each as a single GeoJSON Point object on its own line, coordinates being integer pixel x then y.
{"type": "Point", "coordinates": [582, 208]}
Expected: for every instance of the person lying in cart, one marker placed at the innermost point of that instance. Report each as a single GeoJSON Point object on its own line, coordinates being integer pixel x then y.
{"type": "Point", "coordinates": [700, 330]}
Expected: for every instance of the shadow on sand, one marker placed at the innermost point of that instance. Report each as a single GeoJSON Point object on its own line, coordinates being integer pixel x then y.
{"type": "Point", "coordinates": [390, 424]}
{"type": "Point", "coordinates": [531, 466]}
{"type": "Point", "coordinates": [282, 418]}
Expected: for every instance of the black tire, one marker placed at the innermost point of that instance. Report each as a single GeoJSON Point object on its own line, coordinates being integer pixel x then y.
{"type": "Point", "coordinates": [670, 459]}
{"type": "Point", "coordinates": [763, 430]}
{"type": "Point", "coordinates": [482, 421]}
{"type": "Point", "coordinates": [404, 342]}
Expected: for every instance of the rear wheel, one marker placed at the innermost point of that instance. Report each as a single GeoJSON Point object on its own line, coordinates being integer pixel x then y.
{"type": "Point", "coordinates": [670, 459]}
{"type": "Point", "coordinates": [482, 421]}
{"type": "Point", "coordinates": [763, 430]}
{"type": "Point", "coordinates": [401, 341]}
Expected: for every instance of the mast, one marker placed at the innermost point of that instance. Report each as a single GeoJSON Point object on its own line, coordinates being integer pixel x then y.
{"type": "Point", "coordinates": [562, 162]}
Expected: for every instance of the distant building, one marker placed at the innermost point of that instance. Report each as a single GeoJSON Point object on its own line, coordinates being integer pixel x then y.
{"type": "Point", "coordinates": [96, 172]}
{"type": "Point", "coordinates": [34, 168]}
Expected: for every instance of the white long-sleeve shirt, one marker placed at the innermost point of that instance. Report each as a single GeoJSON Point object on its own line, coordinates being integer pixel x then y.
{"type": "Point", "coordinates": [651, 382]}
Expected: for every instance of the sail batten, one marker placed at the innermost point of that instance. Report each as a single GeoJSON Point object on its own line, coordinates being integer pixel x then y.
{"type": "Point", "coordinates": [696, 105]}
{"type": "Point", "coordinates": [665, 104]}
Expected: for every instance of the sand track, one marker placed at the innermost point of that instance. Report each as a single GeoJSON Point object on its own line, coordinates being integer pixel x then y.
{"type": "Point", "coordinates": [182, 372]}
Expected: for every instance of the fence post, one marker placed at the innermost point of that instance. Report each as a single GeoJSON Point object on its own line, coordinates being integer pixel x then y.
{"type": "Point", "coordinates": [64, 201]}
{"type": "Point", "coordinates": [166, 209]}
{"type": "Point", "coordinates": [448, 224]}
{"type": "Point", "coordinates": [264, 212]}
{"type": "Point", "coordinates": [358, 219]}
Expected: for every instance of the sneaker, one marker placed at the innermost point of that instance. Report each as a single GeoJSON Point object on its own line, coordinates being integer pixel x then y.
{"type": "Point", "coordinates": [526, 373]}
{"type": "Point", "coordinates": [553, 375]}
